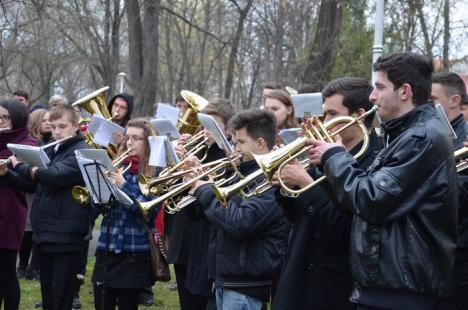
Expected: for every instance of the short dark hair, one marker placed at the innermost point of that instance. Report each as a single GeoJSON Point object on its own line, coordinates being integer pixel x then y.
{"type": "Point", "coordinates": [179, 98]}
{"type": "Point", "coordinates": [258, 123]}
{"type": "Point", "coordinates": [411, 68]}
{"type": "Point", "coordinates": [452, 83]}
{"type": "Point", "coordinates": [18, 113]}
{"type": "Point", "coordinates": [221, 107]}
{"type": "Point", "coordinates": [21, 93]}
{"type": "Point", "coordinates": [272, 85]}
{"type": "Point", "coordinates": [355, 92]}
{"type": "Point", "coordinates": [306, 88]}
{"type": "Point", "coordinates": [60, 112]}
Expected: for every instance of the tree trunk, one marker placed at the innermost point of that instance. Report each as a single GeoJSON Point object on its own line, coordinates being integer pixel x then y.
{"type": "Point", "coordinates": [422, 21]}
{"type": "Point", "coordinates": [446, 35]}
{"type": "Point", "coordinates": [235, 47]}
{"type": "Point", "coordinates": [321, 54]}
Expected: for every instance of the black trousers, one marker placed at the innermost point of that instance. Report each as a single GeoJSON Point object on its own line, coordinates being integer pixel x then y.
{"type": "Point", "coordinates": [58, 278]}
{"type": "Point", "coordinates": [124, 298]}
{"type": "Point", "coordinates": [25, 250]}
{"type": "Point", "coordinates": [187, 300]}
{"type": "Point", "coordinates": [9, 285]}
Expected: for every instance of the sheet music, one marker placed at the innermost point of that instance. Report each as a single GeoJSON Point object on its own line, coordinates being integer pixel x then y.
{"type": "Point", "coordinates": [166, 128]}
{"type": "Point", "coordinates": [33, 155]}
{"type": "Point", "coordinates": [93, 164]}
{"type": "Point", "coordinates": [307, 105]}
{"type": "Point", "coordinates": [445, 122]}
{"type": "Point", "coordinates": [210, 124]}
{"type": "Point", "coordinates": [166, 111]}
{"type": "Point", "coordinates": [103, 130]}
{"type": "Point", "coordinates": [289, 135]}
{"type": "Point", "coordinates": [171, 155]}
{"type": "Point", "coordinates": [158, 152]}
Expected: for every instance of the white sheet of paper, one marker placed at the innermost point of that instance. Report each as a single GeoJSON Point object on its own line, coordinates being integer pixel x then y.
{"type": "Point", "coordinates": [210, 124]}
{"type": "Point", "coordinates": [95, 123]}
{"type": "Point", "coordinates": [158, 151]}
{"type": "Point", "coordinates": [169, 112]}
{"type": "Point", "coordinates": [307, 105]}
{"type": "Point", "coordinates": [289, 135]}
{"type": "Point", "coordinates": [96, 179]}
{"type": "Point", "coordinates": [165, 128]}
{"type": "Point", "coordinates": [103, 135]}
{"type": "Point", "coordinates": [33, 155]}
{"type": "Point", "coordinates": [171, 155]}
{"type": "Point", "coordinates": [445, 122]}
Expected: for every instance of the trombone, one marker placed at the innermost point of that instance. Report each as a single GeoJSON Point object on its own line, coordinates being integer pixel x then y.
{"type": "Point", "coordinates": [181, 188]}
{"type": "Point", "coordinates": [459, 154]}
{"type": "Point", "coordinates": [82, 195]}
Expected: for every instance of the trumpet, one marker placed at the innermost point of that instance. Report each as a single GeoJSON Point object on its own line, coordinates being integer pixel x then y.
{"type": "Point", "coordinates": [4, 162]}
{"type": "Point", "coordinates": [276, 160]}
{"type": "Point", "coordinates": [459, 155]}
{"type": "Point", "coordinates": [180, 189]}
{"type": "Point", "coordinates": [196, 144]}
{"type": "Point", "coordinates": [82, 195]}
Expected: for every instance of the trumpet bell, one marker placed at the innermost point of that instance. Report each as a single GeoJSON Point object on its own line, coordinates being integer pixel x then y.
{"type": "Point", "coordinates": [81, 194]}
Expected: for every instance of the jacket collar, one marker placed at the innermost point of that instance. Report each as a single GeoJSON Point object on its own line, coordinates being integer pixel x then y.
{"type": "Point", "coordinates": [397, 126]}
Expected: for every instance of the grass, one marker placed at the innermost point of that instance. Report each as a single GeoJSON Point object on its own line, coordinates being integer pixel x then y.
{"type": "Point", "coordinates": [163, 297]}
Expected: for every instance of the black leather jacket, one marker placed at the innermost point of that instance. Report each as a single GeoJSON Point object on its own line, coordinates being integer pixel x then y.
{"type": "Point", "coordinates": [405, 229]}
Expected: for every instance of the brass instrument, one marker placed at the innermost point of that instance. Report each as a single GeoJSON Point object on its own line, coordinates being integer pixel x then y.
{"type": "Point", "coordinates": [95, 104]}
{"type": "Point", "coordinates": [82, 195]}
{"type": "Point", "coordinates": [195, 145]}
{"type": "Point", "coordinates": [276, 160]}
{"type": "Point", "coordinates": [181, 188]}
{"type": "Point", "coordinates": [459, 154]}
{"type": "Point", "coordinates": [188, 122]}
{"type": "Point", "coordinates": [5, 162]}
{"type": "Point", "coordinates": [291, 90]}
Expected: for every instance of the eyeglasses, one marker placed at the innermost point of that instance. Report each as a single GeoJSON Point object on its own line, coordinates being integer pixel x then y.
{"type": "Point", "coordinates": [5, 117]}
{"type": "Point", "coordinates": [133, 138]}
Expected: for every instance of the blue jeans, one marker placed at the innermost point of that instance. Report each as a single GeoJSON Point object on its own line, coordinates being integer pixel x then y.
{"type": "Point", "coordinates": [232, 300]}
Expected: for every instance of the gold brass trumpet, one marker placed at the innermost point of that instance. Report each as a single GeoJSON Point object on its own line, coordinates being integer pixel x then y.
{"type": "Point", "coordinates": [82, 195]}
{"type": "Point", "coordinates": [276, 160]}
{"type": "Point", "coordinates": [188, 122]}
{"type": "Point", "coordinates": [459, 154]}
{"type": "Point", "coordinates": [5, 162]}
{"type": "Point", "coordinates": [181, 188]}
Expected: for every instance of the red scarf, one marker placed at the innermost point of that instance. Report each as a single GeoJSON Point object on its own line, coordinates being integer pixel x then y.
{"type": "Point", "coordinates": [135, 160]}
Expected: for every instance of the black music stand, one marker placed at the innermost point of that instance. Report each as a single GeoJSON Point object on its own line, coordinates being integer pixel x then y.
{"type": "Point", "coordinates": [96, 191]}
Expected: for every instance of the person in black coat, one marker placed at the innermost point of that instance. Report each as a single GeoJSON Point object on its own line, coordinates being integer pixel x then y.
{"type": "Point", "coordinates": [251, 234]}
{"type": "Point", "coordinates": [405, 204]}
{"type": "Point", "coordinates": [317, 274]}
{"type": "Point", "coordinates": [60, 224]}
{"type": "Point", "coordinates": [449, 90]}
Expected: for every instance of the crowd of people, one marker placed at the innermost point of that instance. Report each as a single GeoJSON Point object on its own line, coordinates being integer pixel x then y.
{"type": "Point", "coordinates": [387, 228]}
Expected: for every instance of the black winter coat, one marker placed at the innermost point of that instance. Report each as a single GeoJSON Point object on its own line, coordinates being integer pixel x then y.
{"type": "Point", "coordinates": [405, 229]}
{"type": "Point", "coordinates": [56, 217]}
{"type": "Point", "coordinates": [317, 274]}
{"type": "Point", "coordinates": [251, 236]}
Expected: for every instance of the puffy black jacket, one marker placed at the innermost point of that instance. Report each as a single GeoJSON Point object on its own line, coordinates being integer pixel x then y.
{"type": "Point", "coordinates": [56, 217]}
{"type": "Point", "coordinates": [251, 236]}
{"type": "Point", "coordinates": [405, 229]}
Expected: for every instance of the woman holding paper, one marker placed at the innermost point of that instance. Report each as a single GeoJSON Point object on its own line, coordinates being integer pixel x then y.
{"type": "Point", "coordinates": [59, 223]}
{"type": "Point", "coordinates": [13, 207]}
{"type": "Point", "coordinates": [123, 265]}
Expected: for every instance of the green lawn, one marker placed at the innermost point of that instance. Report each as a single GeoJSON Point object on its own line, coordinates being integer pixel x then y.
{"type": "Point", "coordinates": [163, 297]}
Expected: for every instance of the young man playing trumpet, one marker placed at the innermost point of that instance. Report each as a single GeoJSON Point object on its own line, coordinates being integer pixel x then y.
{"type": "Point", "coordinates": [317, 273]}
{"type": "Point", "coordinates": [405, 204]}
{"type": "Point", "coordinates": [251, 234]}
